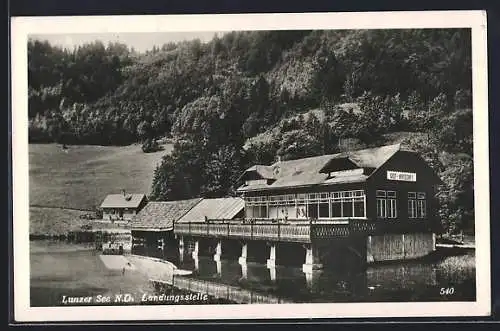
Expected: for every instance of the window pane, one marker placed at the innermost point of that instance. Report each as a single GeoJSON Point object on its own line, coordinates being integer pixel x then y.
{"type": "Point", "coordinates": [391, 212]}
{"type": "Point", "coordinates": [421, 195]}
{"type": "Point", "coordinates": [263, 211]}
{"type": "Point", "coordinates": [359, 193]}
{"type": "Point", "coordinates": [381, 208]}
{"type": "Point", "coordinates": [312, 210]}
{"type": "Point", "coordinates": [359, 209]}
{"type": "Point", "coordinates": [336, 209]}
{"type": "Point", "coordinates": [391, 194]}
{"type": "Point", "coordinates": [348, 194]}
{"type": "Point", "coordinates": [421, 209]}
{"type": "Point", "coordinates": [381, 193]}
{"type": "Point", "coordinates": [411, 209]}
{"type": "Point", "coordinates": [301, 211]}
{"type": "Point", "coordinates": [347, 209]}
{"type": "Point", "coordinates": [323, 210]}
{"type": "Point", "coordinates": [412, 195]}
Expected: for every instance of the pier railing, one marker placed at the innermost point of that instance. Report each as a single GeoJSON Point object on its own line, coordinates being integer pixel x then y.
{"type": "Point", "coordinates": [252, 231]}
{"type": "Point", "coordinates": [296, 231]}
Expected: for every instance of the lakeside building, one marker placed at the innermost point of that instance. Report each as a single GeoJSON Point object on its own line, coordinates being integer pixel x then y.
{"type": "Point", "coordinates": [122, 207]}
{"type": "Point", "coordinates": [369, 205]}
{"type": "Point", "coordinates": [152, 228]}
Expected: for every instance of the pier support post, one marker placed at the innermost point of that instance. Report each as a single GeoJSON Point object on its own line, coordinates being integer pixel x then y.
{"type": "Point", "coordinates": [181, 242]}
{"type": "Point", "coordinates": [433, 241]}
{"type": "Point", "coordinates": [244, 251]}
{"type": "Point", "coordinates": [271, 262]}
{"type": "Point", "coordinates": [218, 251]}
{"type": "Point", "coordinates": [312, 261]}
{"type": "Point", "coordinates": [196, 248]}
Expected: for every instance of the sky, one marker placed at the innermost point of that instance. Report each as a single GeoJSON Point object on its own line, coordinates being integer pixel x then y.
{"type": "Point", "coordinates": [139, 41]}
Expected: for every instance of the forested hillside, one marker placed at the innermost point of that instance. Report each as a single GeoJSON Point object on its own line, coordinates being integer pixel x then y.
{"type": "Point", "coordinates": [246, 97]}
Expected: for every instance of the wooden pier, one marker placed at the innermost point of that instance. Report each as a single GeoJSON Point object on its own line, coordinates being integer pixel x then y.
{"type": "Point", "coordinates": [300, 232]}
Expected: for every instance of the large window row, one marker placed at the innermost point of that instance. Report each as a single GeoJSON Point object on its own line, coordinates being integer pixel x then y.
{"type": "Point", "coordinates": [321, 205]}
{"type": "Point", "coordinates": [310, 197]}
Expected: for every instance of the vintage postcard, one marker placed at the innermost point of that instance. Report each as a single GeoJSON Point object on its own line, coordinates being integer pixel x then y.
{"type": "Point", "coordinates": [200, 167]}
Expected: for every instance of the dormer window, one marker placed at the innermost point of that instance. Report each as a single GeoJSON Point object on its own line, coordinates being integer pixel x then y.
{"type": "Point", "coordinates": [346, 173]}
{"type": "Point", "coordinates": [256, 182]}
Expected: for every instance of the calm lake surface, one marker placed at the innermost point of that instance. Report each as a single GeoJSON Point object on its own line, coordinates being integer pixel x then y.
{"type": "Point", "coordinates": [59, 269]}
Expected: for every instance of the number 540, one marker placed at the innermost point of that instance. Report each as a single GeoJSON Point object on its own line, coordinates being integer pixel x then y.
{"type": "Point", "coordinates": [446, 291]}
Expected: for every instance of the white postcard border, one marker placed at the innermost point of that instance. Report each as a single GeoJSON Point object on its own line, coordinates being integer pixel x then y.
{"type": "Point", "coordinates": [21, 27]}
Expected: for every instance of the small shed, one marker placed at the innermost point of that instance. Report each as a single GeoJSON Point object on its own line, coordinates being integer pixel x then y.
{"type": "Point", "coordinates": [152, 227]}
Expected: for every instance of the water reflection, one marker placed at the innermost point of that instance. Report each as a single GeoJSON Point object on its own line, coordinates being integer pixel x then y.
{"type": "Point", "coordinates": [312, 279]}
{"type": "Point", "coordinates": [244, 271]}
{"type": "Point", "coordinates": [218, 265]}
{"type": "Point", "coordinates": [196, 263]}
{"type": "Point", "coordinates": [272, 273]}
{"type": "Point", "coordinates": [399, 281]}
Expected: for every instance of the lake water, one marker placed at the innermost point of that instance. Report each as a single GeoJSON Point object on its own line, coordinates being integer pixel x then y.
{"type": "Point", "coordinates": [59, 269]}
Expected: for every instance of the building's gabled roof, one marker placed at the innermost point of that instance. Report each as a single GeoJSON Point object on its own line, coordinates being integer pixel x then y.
{"type": "Point", "coordinates": [214, 209]}
{"type": "Point", "coordinates": [161, 215]}
{"type": "Point", "coordinates": [373, 157]}
{"type": "Point", "coordinates": [316, 170]}
{"type": "Point", "coordinates": [126, 200]}
{"type": "Point", "coordinates": [263, 171]}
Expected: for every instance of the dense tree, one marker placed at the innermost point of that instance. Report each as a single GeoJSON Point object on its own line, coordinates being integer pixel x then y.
{"type": "Point", "coordinates": [215, 97]}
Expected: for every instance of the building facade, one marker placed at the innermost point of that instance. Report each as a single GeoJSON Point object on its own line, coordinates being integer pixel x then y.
{"type": "Point", "coordinates": [382, 184]}
{"type": "Point", "coordinates": [122, 207]}
{"type": "Point", "coordinates": [387, 190]}
{"type": "Point", "coordinates": [340, 210]}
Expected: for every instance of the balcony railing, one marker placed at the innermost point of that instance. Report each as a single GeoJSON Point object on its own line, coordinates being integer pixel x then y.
{"type": "Point", "coordinates": [252, 231]}
{"type": "Point", "coordinates": [297, 231]}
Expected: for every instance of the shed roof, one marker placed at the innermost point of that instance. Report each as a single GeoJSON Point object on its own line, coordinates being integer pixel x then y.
{"type": "Point", "coordinates": [214, 209]}
{"type": "Point", "coordinates": [123, 200]}
{"type": "Point", "coordinates": [311, 170]}
{"type": "Point", "coordinates": [162, 214]}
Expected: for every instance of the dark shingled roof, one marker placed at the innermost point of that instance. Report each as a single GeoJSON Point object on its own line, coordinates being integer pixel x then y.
{"type": "Point", "coordinates": [123, 200]}
{"type": "Point", "coordinates": [162, 214]}
{"type": "Point", "coordinates": [264, 171]}
{"type": "Point", "coordinates": [310, 171]}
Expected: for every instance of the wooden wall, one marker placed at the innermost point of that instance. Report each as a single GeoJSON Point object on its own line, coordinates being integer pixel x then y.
{"type": "Point", "coordinates": [399, 246]}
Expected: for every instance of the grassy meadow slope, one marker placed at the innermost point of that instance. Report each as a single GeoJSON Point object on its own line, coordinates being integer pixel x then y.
{"type": "Point", "coordinates": [80, 177]}
{"type": "Point", "coordinates": [54, 221]}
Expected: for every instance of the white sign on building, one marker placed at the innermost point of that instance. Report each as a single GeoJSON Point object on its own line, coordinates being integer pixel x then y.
{"type": "Point", "coordinates": [402, 176]}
